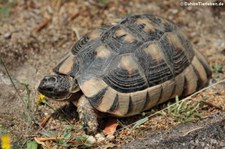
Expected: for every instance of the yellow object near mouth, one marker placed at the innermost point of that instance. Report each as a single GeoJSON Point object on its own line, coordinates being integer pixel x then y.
{"type": "Point", "coordinates": [41, 99]}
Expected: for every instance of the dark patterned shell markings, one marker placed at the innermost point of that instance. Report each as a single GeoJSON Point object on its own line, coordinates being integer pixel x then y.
{"type": "Point", "coordinates": [134, 65]}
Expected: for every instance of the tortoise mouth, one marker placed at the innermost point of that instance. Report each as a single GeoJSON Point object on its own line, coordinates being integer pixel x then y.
{"type": "Point", "coordinates": [55, 87]}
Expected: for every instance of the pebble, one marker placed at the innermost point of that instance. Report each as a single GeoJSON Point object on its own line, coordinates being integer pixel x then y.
{"type": "Point", "coordinates": [7, 35]}
{"type": "Point", "coordinates": [174, 11]}
{"type": "Point", "coordinates": [110, 137]}
{"type": "Point", "coordinates": [196, 141]}
{"type": "Point", "coordinates": [91, 140]}
{"type": "Point", "coordinates": [99, 137]}
{"type": "Point", "coordinates": [222, 144]}
{"type": "Point", "coordinates": [213, 141]}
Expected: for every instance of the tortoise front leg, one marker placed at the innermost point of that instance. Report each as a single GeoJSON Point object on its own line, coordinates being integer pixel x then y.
{"type": "Point", "coordinates": [87, 115]}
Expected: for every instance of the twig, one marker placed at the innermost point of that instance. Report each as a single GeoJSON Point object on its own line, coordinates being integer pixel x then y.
{"type": "Point", "coordinates": [42, 140]}
{"type": "Point", "coordinates": [73, 142]}
{"type": "Point", "coordinates": [45, 120]}
{"type": "Point", "coordinates": [212, 105]}
{"type": "Point", "coordinates": [29, 136]}
{"type": "Point", "coordinates": [192, 130]}
{"type": "Point", "coordinates": [49, 146]}
{"type": "Point", "coordinates": [76, 33]}
{"type": "Point", "coordinates": [74, 15]}
{"type": "Point", "coordinates": [48, 139]}
{"type": "Point", "coordinates": [42, 25]}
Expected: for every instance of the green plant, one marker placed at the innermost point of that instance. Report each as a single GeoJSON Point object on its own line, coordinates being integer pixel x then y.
{"type": "Point", "coordinates": [4, 8]}
{"type": "Point", "coordinates": [103, 2]}
{"type": "Point", "coordinates": [66, 139]}
{"type": "Point", "coordinates": [99, 3]}
{"type": "Point", "coordinates": [27, 100]}
{"type": "Point", "coordinates": [66, 136]}
{"type": "Point", "coordinates": [32, 145]}
{"type": "Point", "coordinates": [3, 130]}
{"type": "Point", "coordinates": [216, 70]}
{"type": "Point", "coordinates": [183, 111]}
{"type": "Point", "coordinates": [140, 122]}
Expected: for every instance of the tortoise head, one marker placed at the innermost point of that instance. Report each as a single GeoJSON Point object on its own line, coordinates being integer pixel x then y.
{"type": "Point", "coordinates": [59, 87]}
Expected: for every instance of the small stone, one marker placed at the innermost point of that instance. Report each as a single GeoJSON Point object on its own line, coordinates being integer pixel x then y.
{"type": "Point", "coordinates": [202, 144]}
{"type": "Point", "coordinates": [7, 35]}
{"type": "Point", "coordinates": [213, 141]}
{"type": "Point", "coordinates": [98, 135]}
{"type": "Point", "coordinates": [110, 137]}
{"type": "Point", "coordinates": [91, 140]}
{"type": "Point", "coordinates": [100, 139]}
{"type": "Point", "coordinates": [174, 11]}
{"type": "Point", "coordinates": [222, 144]}
{"type": "Point", "coordinates": [196, 141]}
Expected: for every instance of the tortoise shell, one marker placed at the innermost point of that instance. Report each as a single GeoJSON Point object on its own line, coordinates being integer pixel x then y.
{"type": "Point", "coordinates": [134, 65]}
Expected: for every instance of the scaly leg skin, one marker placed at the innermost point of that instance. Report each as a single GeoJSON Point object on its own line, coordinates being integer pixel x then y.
{"type": "Point", "coordinates": [87, 115]}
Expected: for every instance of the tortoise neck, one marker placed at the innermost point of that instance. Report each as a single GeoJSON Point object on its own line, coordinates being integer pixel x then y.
{"type": "Point", "coordinates": [75, 96]}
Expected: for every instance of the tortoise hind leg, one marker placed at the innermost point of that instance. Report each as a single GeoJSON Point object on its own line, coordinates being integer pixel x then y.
{"type": "Point", "coordinates": [87, 115]}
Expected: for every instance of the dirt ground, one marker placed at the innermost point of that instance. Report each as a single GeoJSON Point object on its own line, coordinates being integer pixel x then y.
{"type": "Point", "coordinates": [36, 34]}
{"type": "Point", "coordinates": [207, 133]}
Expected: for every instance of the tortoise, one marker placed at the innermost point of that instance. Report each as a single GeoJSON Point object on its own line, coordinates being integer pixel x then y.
{"type": "Point", "coordinates": [127, 68]}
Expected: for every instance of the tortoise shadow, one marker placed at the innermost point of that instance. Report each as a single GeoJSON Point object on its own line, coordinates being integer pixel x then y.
{"type": "Point", "coordinates": [67, 111]}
